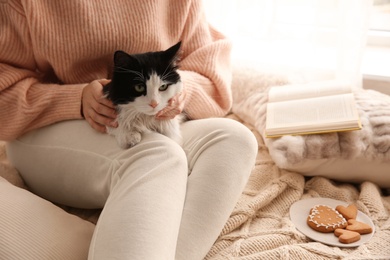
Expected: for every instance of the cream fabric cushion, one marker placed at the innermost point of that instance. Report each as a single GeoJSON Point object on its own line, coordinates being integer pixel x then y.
{"type": "Point", "coordinates": [354, 170]}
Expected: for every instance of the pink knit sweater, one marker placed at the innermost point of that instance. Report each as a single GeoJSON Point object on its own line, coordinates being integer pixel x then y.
{"type": "Point", "coordinates": [49, 50]}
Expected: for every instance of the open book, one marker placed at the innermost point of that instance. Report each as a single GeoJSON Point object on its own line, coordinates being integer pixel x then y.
{"type": "Point", "coordinates": [322, 107]}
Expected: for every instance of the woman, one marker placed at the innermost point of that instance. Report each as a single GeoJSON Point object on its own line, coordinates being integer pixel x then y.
{"type": "Point", "coordinates": [159, 200]}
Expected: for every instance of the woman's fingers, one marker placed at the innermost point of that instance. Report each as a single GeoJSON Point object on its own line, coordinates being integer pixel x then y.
{"type": "Point", "coordinates": [97, 110]}
{"type": "Point", "coordinates": [175, 107]}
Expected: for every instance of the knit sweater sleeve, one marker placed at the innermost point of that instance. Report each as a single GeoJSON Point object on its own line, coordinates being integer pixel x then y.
{"type": "Point", "coordinates": [205, 68]}
{"type": "Point", "coordinates": [25, 102]}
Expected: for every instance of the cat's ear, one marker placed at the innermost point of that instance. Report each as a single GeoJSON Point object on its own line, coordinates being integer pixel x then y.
{"type": "Point", "coordinates": [173, 53]}
{"type": "Point", "coordinates": [123, 59]}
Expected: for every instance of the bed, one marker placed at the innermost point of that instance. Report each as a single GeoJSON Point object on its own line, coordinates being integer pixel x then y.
{"type": "Point", "coordinates": [260, 227]}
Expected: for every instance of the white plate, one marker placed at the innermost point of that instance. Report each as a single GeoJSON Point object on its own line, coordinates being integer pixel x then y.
{"type": "Point", "coordinates": [300, 210]}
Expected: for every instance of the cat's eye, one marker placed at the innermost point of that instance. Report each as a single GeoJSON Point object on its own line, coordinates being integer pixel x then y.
{"type": "Point", "coordinates": [139, 88]}
{"type": "Point", "coordinates": [163, 87]}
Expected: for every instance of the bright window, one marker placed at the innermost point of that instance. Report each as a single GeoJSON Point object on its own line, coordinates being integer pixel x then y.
{"type": "Point", "coordinates": [376, 59]}
{"type": "Point", "coordinates": [380, 19]}
{"type": "Point", "coordinates": [324, 36]}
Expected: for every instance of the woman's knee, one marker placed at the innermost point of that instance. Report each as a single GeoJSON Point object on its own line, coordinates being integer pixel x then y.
{"type": "Point", "coordinates": [235, 136]}
{"type": "Point", "coordinates": [154, 155]}
{"type": "Point", "coordinates": [240, 136]}
{"type": "Point", "coordinates": [240, 142]}
{"type": "Point", "coordinates": [220, 141]}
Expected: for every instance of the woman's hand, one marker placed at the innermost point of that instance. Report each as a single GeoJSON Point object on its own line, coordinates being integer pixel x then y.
{"type": "Point", "coordinates": [97, 110]}
{"type": "Point", "coordinates": [175, 107]}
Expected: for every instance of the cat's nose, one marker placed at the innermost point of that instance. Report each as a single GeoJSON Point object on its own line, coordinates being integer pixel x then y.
{"type": "Point", "coordinates": [153, 103]}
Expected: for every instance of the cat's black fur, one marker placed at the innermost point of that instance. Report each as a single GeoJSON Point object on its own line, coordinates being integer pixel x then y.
{"type": "Point", "coordinates": [161, 62]}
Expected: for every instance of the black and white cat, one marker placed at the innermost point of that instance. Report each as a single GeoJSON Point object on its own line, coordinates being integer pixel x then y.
{"type": "Point", "coordinates": [142, 84]}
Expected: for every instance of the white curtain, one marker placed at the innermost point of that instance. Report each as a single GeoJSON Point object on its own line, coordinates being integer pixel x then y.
{"type": "Point", "coordinates": [323, 36]}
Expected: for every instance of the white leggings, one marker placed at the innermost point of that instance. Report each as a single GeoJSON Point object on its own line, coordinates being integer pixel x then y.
{"type": "Point", "coordinates": [159, 200]}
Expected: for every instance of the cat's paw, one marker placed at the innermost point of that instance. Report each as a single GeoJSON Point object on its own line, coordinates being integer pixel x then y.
{"type": "Point", "coordinates": [129, 140]}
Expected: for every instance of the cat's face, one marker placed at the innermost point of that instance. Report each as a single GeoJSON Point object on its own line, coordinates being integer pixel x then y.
{"type": "Point", "coordinates": [144, 81]}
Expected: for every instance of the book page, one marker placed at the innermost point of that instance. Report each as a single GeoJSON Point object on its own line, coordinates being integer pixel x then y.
{"type": "Point", "coordinates": [312, 115]}
{"type": "Point", "coordinates": [314, 89]}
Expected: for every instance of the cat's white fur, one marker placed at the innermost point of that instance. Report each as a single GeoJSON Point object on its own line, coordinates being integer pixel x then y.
{"type": "Point", "coordinates": [138, 117]}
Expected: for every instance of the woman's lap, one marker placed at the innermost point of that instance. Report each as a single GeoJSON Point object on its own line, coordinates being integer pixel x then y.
{"type": "Point", "coordinates": [72, 164]}
{"type": "Point", "coordinates": [70, 158]}
{"type": "Point", "coordinates": [84, 168]}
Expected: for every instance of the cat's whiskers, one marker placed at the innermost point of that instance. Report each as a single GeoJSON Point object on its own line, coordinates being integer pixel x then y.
{"type": "Point", "coordinates": [165, 76]}
{"type": "Point", "coordinates": [164, 73]}
{"type": "Point", "coordinates": [139, 79]}
{"type": "Point", "coordinates": [125, 70]}
{"type": "Point", "coordinates": [171, 66]}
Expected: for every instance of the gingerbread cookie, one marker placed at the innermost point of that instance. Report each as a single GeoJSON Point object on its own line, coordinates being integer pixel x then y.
{"type": "Point", "coordinates": [349, 212]}
{"type": "Point", "coordinates": [325, 219]}
{"type": "Point", "coordinates": [347, 236]}
{"type": "Point", "coordinates": [357, 226]}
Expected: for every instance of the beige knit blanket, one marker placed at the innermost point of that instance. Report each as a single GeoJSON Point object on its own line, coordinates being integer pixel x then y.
{"type": "Point", "coordinates": [260, 225]}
